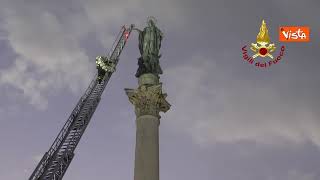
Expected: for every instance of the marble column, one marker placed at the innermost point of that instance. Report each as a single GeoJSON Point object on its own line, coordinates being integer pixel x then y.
{"type": "Point", "coordinates": [148, 101]}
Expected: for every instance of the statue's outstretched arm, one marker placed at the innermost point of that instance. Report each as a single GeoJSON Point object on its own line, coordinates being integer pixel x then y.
{"type": "Point", "coordinates": [139, 31]}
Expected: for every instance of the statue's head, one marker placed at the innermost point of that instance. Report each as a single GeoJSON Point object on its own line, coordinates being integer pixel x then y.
{"type": "Point", "coordinates": [151, 21]}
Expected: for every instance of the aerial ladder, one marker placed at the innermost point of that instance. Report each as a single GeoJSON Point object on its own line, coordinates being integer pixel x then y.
{"type": "Point", "coordinates": [57, 159]}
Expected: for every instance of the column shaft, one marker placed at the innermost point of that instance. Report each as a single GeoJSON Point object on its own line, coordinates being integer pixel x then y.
{"type": "Point", "coordinates": [147, 148]}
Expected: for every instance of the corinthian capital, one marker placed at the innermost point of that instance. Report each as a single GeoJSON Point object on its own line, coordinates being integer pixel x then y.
{"type": "Point", "coordinates": [148, 100]}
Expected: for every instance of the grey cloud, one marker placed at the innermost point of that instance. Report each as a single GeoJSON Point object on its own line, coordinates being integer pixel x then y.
{"type": "Point", "coordinates": [296, 175]}
{"type": "Point", "coordinates": [231, 109]}
{"type": "Point", "coordinates": [49, 57]}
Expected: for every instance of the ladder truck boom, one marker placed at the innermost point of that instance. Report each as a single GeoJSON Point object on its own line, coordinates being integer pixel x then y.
{"type": "Point", "coordinates": [57, 159]}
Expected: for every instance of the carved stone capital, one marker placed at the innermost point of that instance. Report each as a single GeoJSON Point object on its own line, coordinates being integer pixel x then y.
{"type": "Point", "coordinates": [148, 100]}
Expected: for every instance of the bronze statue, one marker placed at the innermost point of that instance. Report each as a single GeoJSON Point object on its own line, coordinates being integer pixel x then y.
{"type": "Point", "coordinates": [149, 45]}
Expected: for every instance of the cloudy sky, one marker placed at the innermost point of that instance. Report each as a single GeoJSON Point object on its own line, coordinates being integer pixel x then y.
{"type": "Point", "coordinates": [229, 120]}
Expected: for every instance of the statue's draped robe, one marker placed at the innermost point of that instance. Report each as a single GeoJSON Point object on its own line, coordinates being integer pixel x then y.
{"type": "Point", "coordinates": [149, 46]}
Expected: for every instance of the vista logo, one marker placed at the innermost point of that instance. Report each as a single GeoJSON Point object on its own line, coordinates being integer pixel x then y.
{"type": "Point", "coordinates": [294, 34]}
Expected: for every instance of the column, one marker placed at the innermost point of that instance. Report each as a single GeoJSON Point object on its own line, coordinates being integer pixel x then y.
{"type": "Point", "coordinates": [148, 101]}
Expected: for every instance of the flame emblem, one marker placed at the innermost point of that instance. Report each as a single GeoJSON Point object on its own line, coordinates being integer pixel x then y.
{"type": "Point", "coordinates": [263, 47]}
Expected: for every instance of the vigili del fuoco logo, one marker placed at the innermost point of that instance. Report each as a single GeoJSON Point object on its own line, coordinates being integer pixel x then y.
{"type": "Point", "coordinates": [262, 50]}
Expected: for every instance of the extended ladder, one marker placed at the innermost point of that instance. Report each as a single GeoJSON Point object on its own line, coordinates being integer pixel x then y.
{"type": "Point", "coordinates": [55, 162]}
